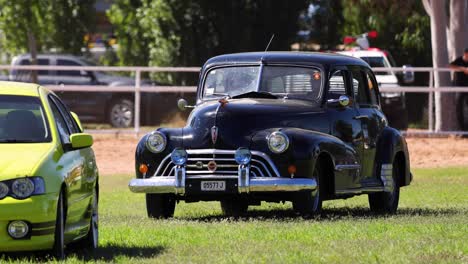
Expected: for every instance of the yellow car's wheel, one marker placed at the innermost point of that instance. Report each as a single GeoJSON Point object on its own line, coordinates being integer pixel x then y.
{"type": "Point", "coordinates": [59, 243]}
{"type": "Point", "coordinates": [91, 240]}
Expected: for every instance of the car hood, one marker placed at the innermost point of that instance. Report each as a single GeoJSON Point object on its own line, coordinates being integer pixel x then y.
{"type": "Point", "coordinates": [387, 80]}
{"type": "Point", "coordinates": [239, 120]}
{"type": "Point", "coordinates": [19, 160]}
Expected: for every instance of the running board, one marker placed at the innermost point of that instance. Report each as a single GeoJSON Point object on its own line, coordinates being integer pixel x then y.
{"type": "Point", "coordinates": [362, 190]}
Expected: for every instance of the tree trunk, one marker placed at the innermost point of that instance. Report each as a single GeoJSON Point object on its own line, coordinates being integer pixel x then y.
{"type": "Point", "coordinates": [457, 31]}
{"type": "Point", "coordinates": [33, 52]}
{"type": "Point", "coordinates": [445, 107]}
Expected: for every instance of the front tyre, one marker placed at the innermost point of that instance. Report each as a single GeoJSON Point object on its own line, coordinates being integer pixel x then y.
{"type": "Point", "coordinates": [59, 241]}
{"type": "Point", "coordinates": [309, 203]}
{"type": "Point", "coordinates": [387, 202]}
{"type": "Point", "coordinates": [160, 205]}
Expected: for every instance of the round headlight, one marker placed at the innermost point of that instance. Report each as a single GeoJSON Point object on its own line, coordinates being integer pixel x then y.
{"type": "Point", "coordinates": [278, 142]}
{"type": "Point", "coordinates": [3, 190]}
{"type": "Point", "coordinates": [22, 188]}
{"type": "Point", "coordinates": [179, 156]}
{"type": "Point", "coordinates": [18, 229]}
{"type": "Point", "coordinates": [156, 142]}
{"type": "Point", "coordinates": [242, 156]}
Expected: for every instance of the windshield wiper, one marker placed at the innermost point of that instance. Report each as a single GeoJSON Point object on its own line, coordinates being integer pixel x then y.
{"type": "Point", "coordinates": [15, 140]}
{"type": "Point", "coordinates": [219, 94]}
{"type": "Point", "coordinates": [255, 94]}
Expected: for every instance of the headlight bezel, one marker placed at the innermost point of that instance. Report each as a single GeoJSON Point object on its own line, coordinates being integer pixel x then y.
{"type": "Point", "coordinates": [37, 182]}
{"type": "Point", "coordinates": [152, 148]}
{"type": "Point", "coordinates": [272, 136]}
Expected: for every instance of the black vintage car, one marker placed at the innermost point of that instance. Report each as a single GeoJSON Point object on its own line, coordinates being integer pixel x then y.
{"type": "Point", "coordinates": [276, 126]}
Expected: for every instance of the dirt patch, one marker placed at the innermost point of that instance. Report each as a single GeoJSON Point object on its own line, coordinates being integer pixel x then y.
{"type": "Point", "coordinates": [438, 152]}
{"type": "Point", "coordinates": [115, 154]}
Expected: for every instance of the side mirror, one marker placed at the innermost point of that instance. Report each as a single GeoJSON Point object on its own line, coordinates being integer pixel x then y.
{"type": "Point", "coordinates": [77, 120]}
{"type": "Point", "coordinates": [342, 101]}
{"type": "Point", "coordinates": [408, 75]}
{"type": "Point", "coordinates": [182, 105]}
{"type": "Point", "coordinates": [81, 140]}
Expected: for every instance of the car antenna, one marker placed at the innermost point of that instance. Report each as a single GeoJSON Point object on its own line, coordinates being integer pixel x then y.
{"type": "Point", "coordinates": [271, 39]}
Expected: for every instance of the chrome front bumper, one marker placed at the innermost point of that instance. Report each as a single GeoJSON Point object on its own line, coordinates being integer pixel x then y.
{"type": "Point", "coordinates": [245, 184]}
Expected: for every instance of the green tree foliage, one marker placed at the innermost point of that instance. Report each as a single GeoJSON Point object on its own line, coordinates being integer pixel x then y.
{"type": "Point", "coordinates": [56, 24]}
{"type": "Point", "coordinates": [323, 20]}
{"type": "Point", "coordinates": [403, 26]}
{"type": "Point", "coordinates": [187, 32]}
{"type": "Point", "coordinates": [71, 21]}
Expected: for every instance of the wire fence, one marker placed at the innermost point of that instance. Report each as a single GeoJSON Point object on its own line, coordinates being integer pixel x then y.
{"type": "Point", "coordinates": [137, 88]}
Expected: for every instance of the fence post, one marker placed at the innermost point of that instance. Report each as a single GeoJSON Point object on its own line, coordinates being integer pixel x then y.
{"type": "Point", "coordinates": [137, 101]}
{"type": "Point", "coordinates": [430, 105]}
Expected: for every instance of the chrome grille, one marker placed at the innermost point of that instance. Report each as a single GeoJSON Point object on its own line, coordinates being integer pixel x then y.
{"type": "Point", "coordinates": [197, 164]}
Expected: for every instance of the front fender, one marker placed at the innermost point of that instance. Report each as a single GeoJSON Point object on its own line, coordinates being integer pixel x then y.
{"type": "Point", "coordinates": [152, 160]}
{"type": "Point", "coordinates": [304, 149]}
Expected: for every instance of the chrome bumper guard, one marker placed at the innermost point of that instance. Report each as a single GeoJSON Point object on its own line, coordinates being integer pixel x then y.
{"type": "Point", "coordinates": [246, 184]}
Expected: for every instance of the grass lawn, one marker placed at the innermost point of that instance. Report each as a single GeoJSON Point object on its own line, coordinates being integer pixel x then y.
{"type": "Point", "coordinates": [431, 227]}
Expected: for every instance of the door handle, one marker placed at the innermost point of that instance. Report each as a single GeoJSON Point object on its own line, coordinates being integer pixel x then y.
{"type": "Point", "coordinates": [361, 117]}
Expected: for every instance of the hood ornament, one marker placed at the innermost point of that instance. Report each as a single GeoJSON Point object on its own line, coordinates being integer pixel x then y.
{"type": "Point", "coordinates": [214, 134]}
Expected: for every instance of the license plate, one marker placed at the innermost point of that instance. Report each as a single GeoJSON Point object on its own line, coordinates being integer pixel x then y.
{"type": "Point", "coordinates": [213, 185]}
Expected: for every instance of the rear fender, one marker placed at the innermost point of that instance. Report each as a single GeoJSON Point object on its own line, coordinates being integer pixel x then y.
{"type": "Point", "coordinates": [390, 143]}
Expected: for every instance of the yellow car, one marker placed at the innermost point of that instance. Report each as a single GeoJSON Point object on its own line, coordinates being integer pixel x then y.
{"type": "Point", "coordinates": [48, 175]}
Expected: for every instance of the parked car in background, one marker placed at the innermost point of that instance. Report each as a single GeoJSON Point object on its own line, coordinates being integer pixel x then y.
{"type": "Point", "coordinates": [393, 103]}
{"type": "Point", "coordinates": [276, 126]}
{"type": "Point", "coordinates": [116, 108]}
{"type": "Point", "coordinates": [48, 175]}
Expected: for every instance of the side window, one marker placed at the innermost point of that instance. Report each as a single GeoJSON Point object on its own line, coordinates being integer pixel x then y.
{"type": "Point", "coordinates": [359, 88]}
{"type": "Point", "coordinates": [44, 62]}
{"type": "Point", "coordinates": [336, 85]}
{"type": "Point", "coordinates": [372, 88]}
{"type": "Point", "coordinates": [61, 124]}
{"type": "Point", "coordinates": [71, 124]}
{"type": "Point", "coordinates": [68, 63]}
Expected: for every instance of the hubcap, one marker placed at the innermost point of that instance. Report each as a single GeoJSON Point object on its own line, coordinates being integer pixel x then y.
{"type": "Point", "coordinates": [121, 115]}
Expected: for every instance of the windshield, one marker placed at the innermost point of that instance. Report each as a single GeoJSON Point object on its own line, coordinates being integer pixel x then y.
{"type": "Point", "coordinates": [281, 81]}
{"type": "Point", "coordinates": [377, 62]}
{"type": "Point", "coordinates": [22, 120]}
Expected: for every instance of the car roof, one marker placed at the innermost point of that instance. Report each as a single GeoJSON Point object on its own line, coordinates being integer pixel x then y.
{"type": "Point", "coordinates": [18, 88]}
{"type": "Point", "coordinates": [363, 53]}
{"type": "Point", "coordinates": [302, 58]}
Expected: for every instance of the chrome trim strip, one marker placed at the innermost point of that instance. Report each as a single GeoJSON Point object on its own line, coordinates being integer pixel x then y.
{"type": "Point", "coordinates": [210, 177]}
{"type": "Point", "coordinates": [162, 162]}
{"type": "Point", "coordinates": [267, 158]}
{"type": "Point", "coordinates": [342, 167]}
{"type": "Point", "coordinates": [212, 172]}
{"type": "Point", "coordinates": [263, 165]}
{"type": "Point", "coordinates": [386, 175]}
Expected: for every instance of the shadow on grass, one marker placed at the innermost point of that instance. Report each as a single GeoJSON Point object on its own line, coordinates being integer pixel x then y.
{"type": "Point", "coordinates": [108, 253]}
{"type": "Point", "coordinates": [328, 214]}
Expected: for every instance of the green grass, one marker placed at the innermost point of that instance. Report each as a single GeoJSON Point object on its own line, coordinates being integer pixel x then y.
{"type": "Point", "coordinates": [431, 227]}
